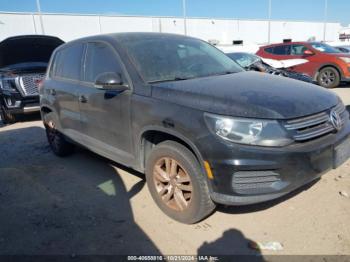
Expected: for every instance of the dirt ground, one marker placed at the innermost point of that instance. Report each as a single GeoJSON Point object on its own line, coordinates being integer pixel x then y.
{"type": "Point", "coordinates": [85, 204]}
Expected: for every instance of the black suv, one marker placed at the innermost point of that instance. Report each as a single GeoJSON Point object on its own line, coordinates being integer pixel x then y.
{"type": "Point", "coordinates": [202, 129]}
{"type": "Point", "coordinates": [23, 63]}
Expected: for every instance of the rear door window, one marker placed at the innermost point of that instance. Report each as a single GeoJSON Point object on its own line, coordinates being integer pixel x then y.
{"type": "Point", "coordinates": [67, 62]}
{"type": "Point", "coordinates": [100, 58]}
{"type": "Point", "coordinates": [281, 50]}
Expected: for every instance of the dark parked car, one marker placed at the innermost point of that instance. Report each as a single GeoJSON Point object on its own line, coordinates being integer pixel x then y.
{"type": "Point", "coordinates": [202, 129]}
{"type": "Point", "coordinates": [23, 62]}
{"type": "Point", "coordinates": [343, 49]}
{"type": "Point", "coordinates": [252, 62]}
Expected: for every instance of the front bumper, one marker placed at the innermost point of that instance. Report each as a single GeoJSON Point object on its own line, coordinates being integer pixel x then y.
{"type": "Point", "coordinates": [250, 174]}
{"type": "Point", "coordinates": [346, 76]}
{"type": "Point", "coordinates": [14, 103]}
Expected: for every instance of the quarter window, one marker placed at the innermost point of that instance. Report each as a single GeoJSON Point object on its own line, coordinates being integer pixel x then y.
{"type": "Point", "coordinates": [269, 50]}
{"type": "Point", "coordinates": [100, 58]}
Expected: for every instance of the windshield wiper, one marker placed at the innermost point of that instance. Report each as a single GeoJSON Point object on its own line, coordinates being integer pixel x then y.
{"type": "Point", "coordinates": [221, 73]}
{"type": "Point", "coordinates": [177, 78]}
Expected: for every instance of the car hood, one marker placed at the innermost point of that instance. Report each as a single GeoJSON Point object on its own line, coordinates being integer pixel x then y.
{"type": "Point", "coordinates": [340, 54]}
{"type": "Point", "coordinates": [24, 68]}
{"type": "Point", "coordinates": [27, 48]}
{"type": "Point", "coordinates": [248, 94]}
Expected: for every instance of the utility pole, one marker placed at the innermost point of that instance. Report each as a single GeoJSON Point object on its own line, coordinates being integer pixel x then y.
{"type": "Point", "coordinates": [40, 16]}
{"type": "Point", "coordinates": [184, 16]}
{"type": "Point", "coordinates": [269, 23]}
{"type": "Point", "coordinates": [325, 20]}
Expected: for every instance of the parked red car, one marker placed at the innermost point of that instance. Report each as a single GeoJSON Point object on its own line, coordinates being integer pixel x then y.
{"type": "Point", "coordinates": [326, 65]}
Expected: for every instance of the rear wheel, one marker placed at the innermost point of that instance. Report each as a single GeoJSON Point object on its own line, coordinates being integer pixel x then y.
{"type": "Point", "coordinates": [328, 77]}
{"type": "Point", "coordinates": [57, 141]}
{"type": "Point", "coordinates": [177, 184]}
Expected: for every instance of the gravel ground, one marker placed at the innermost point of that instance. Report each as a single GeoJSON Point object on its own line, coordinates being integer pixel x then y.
{"type": "Point", "coordinates": [85, 204]}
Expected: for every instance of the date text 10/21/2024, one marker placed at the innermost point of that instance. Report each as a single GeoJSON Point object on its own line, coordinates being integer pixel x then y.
{"type": "Point", "coordinates": [173, 258]}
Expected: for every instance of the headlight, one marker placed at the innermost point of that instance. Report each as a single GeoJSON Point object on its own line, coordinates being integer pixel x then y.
{"type": "Point", "coordinates": [345, 59]}
{"type": "Point", "coordinates": [248, 131]}
{"type": "Point", "coordinates": [8, 85]}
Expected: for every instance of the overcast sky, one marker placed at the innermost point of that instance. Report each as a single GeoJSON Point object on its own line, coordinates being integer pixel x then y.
{"type": "Point", "coordinates": [310, 10]}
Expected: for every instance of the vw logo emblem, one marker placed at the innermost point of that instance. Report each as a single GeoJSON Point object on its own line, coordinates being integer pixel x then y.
{"type": "Point", "coordinates": [335, 120]}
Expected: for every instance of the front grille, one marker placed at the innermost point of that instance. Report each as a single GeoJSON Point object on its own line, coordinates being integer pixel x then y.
{"type": "Point", "coordinates": [29, 83]}
{"type": "Point", "coordinates": [314, 126]}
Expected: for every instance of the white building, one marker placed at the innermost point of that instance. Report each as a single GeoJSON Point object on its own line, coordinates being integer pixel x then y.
{"type": "Point", "coordinates": [71, 26]}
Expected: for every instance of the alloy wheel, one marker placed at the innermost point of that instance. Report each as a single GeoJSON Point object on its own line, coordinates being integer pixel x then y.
{"type": "Point", "coordinates": [327, 78]}
{"type": "Point", "coordinates": [172, 183]}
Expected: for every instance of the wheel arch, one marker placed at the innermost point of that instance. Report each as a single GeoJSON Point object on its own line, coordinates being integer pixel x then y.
{"type": "Point", "coordinates": [340, 71]}
{"type": "Point", "coordinates": [152, 136]}
{"type": "Point", "coordinates": [45, 111]}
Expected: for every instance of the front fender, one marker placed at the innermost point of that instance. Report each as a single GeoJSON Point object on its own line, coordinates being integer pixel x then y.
{"type": "Point", "coordinates": [171, 132]}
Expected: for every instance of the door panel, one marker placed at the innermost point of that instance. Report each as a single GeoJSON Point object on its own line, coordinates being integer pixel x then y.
{"type": "Point", "coordinates": [105, 115]}
{"type": "Point", "coordinates": [309, 68]}
{"type": "Point", "coordinates": [64, 84]}
{"type": "Point", "coordinates": [66, 104]}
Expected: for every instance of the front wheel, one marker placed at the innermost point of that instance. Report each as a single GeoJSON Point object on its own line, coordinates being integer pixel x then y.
{"type": "Point", "coordinates": [177, 184]}
{"type": "Point", "coordinates": [328, 77]}
{"type": "Point", "coordinates": [59, 145]}
{"type": "Point", "coordinates": [6, 117]}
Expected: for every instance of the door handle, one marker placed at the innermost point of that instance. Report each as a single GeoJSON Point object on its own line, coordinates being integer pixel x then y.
{"type": "Point", "coordinates": [52, 92]}
{"type": "Point", "coordinates": [82, 99]}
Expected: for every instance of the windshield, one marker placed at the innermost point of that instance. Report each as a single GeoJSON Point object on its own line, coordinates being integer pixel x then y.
{"type": "Point", "coordinates": [244, 59]}
{"type": "Point", "coordinates": [177, 58]}
{"type": "Point", "coordinates": [324, 48]}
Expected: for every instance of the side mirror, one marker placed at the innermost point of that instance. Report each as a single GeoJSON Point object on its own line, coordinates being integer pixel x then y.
{"type": "Point", "coordinates": [308, 52]}
{"type": "Point", "coordinates": [110, 81]}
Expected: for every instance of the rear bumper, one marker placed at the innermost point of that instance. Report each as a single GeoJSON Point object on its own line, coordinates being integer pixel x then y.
{"type": "Point", "coordinates": [248, 174]}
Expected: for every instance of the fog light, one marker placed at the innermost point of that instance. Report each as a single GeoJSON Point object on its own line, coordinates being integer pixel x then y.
{"type": "Point", "coordinates": [9, 101]}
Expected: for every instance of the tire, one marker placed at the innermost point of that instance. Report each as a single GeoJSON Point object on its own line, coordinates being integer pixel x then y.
{"type": "Point", "coordinates": [328, 77]}
{"type": "Point", "coordinates": [6, 117]}
{"type": "Point", "coordinates": [59, 145]}
{"type": "Point", "coordinates": [188, 176]}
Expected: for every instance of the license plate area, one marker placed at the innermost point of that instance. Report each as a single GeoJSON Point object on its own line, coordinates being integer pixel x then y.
{"type": "Point", "coordinates": [342, 153]}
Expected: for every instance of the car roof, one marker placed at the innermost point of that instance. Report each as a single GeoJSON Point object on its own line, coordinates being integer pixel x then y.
{"type": "Point", "coordinates": [119, 37]}
{"type": "Point", "coordinates": [290, 43]}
